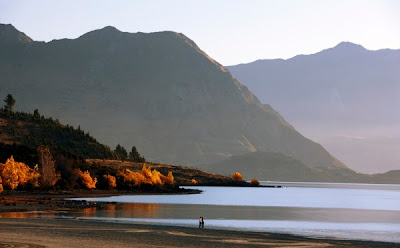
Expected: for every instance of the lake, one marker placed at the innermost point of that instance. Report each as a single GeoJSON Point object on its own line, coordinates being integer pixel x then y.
{"type": "Point", "coordinates": [343, 211]}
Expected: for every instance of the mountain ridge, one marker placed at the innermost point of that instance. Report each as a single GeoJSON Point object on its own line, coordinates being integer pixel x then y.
{"type": "Point", "coordinates": [159, 91]}
{"type": "Point", "coordinates": [343, 91]}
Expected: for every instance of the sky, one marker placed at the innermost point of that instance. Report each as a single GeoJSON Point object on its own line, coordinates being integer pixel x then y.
{"type": "Point", "coordinates": [230, 31]}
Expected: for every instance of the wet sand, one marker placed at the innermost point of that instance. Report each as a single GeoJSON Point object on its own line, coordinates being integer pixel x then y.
{"type": "Point", "coordinates": [20, 232]}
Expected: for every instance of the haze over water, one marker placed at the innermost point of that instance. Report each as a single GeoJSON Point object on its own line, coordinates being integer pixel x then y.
{"type": "Point", "coordinates": [349, 211]}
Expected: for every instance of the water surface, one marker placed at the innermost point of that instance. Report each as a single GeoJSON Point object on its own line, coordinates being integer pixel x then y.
{"type": "Point", "coordinates": [344, 211]}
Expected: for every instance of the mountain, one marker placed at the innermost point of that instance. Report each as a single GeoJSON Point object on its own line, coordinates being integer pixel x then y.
{"type": "Point", "coordinates": [9, 35]}
{"type": "Point", "coordinates": [337, 96]}
{"type": "Point", "coordinates": [272, 166]}
{"type": "Point", "coordinates": [157, 91]}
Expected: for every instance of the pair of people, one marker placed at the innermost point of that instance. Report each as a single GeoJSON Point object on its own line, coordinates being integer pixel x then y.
{"type": "Point", "coordinates": [201, 222]}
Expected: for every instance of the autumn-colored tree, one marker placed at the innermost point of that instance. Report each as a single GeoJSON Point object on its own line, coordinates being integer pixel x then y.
{"type": "Point", "coordinates": [237, 176]}
{"type": "Point", "coordinates": [1, 185]}
{"type": "Point", "coordinates": [169, 179]}
{"type": "Point", "coordinates": [87, 180]}
{"type": "Point", "coordinates": [146, 177]}
{"type": "Point", "coordinates": [254, 182]}
{"type": "Point", "coordinates": [194, 181]}
{"type": "Point", "coordinates": [14, 174]}
{"type": "Point", "coordinates": [111, 181]}
{"type": "Point", "coordinates": [47, 169]}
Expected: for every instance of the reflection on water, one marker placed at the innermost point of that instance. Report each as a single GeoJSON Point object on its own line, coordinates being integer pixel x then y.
{"type": "Point", "coordinates": [340, 211]}
{"type": "Point", "coordinates": [128, 210]}
{"type": "Point", "coordinates": [18, 215]}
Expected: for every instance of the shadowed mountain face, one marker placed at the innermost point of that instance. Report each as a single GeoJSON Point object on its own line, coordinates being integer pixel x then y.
{"type": "Point", "coordinates": [156, 91]}
{"type": "Point", "coordinates": [337, 96]}
{"type": "Point", "coordinates": [276, 166]}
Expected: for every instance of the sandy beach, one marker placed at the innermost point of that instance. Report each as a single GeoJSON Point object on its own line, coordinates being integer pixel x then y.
{"type": "Point", "coordinates": [18, 229]}
{"type": "Point", "coordinates": [21, 232]}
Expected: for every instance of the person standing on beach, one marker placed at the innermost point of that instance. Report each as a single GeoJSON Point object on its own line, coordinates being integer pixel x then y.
{"type": "Point", "coordinates": [201, 222]}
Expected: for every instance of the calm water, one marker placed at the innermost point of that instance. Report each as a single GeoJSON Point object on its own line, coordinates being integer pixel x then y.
{"type": "Point", "coordinates": [345, 211]}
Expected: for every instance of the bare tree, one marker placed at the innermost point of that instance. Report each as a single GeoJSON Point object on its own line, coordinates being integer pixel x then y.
{"type": "Point", "coordinates": [47, 169]}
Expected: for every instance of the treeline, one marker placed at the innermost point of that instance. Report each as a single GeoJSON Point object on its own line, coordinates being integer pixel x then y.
{"type": "Point", "coordinates": [33, 130]}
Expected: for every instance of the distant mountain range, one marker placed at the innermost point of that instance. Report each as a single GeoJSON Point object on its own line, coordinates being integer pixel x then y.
{"type": "Point", "coordinates": [157, 91]}
{"type": "Point", "coordinates": [345, 97]}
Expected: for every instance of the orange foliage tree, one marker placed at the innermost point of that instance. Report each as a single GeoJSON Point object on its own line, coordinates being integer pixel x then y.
{"type": "Point", "coordinates": [237, 176]}
{"type": "Point", "coordinates": [1, 185]}
{"type": "Point", "coordinates": [254, 182]}
{"type": "Point", "coordinates": [48, 170]}
{"type": "Point", "coordinates": [146, 176]}
{"type": "Point", "coordinates": [87, 180]}
{"type": "Point", "coordinates": [14, 174]}
{"type": "Point", "coordinates": [194, 181]}
{"type": "Point", "coordinates": [111, 181]}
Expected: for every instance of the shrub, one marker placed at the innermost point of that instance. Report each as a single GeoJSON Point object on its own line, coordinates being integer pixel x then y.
{"type": "Point", "coordinates": [1, 185]}
{"type": "Point", "coordinates": [111, 181]}
{"type": "Point", "coordinates": [14, 174]}
{"type": "Point", "coordinates": [194, 181]}
{"type": "Point", "coordinates": [146, 177]}
{"type": "Point", "coordinates": [254, 182]}
{"type": "Point", "coordinates": [87, 180]}
{"type": "Point", "coordinates": [237, 176]}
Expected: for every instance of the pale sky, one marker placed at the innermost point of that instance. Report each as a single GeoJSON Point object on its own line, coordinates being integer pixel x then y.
{"type": "Point", "coordinates": [230, 31]}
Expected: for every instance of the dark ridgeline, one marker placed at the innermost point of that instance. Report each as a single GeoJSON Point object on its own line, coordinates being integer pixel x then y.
{"type": "Point", "coordinates": [157, 91]}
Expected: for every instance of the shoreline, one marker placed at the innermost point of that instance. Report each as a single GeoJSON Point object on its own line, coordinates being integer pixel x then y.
{"type": "Point", "coordinates": [26, 232]}
{"type": "Point", "coordinates": [15, 206]}
{"type": "Point", "coordinates": [24, 201]}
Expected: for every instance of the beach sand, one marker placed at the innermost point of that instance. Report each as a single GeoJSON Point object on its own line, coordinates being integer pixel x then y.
{"type": "Point", "coordinates": [22, 232]}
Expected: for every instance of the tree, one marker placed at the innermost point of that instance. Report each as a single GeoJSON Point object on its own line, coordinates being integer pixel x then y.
{"type": "Point", "coordinates": [135, 156]}
{"type": "Point", "coordinates": [36, 114]}
{"type": "Point", "coordinates": [121, 152]}
{"type": "Point", "coordinates": [254, 182]}
{"type": "Point", "coordinates": [237, 176]}
{"type": "Point", "coordinates": [10, 102]}
{"type": "Point", "coordinates": [48, 171]}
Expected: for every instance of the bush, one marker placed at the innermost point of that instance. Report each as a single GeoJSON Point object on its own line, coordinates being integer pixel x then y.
{"type": "Point", "coordinates": [254, 182]}
{"type": "Point", "coordinates": [146, 177]}
{"type": "Point", "coordinates": [14, 174]}
{"type": "Point", "coordinates": [87, 180]}
{"type": "Point", "coordinates": [237, 176]}
{"type": "Point", "coordinates": [1, 185]}
{"type": "Point", "coordinates": [111, 181]}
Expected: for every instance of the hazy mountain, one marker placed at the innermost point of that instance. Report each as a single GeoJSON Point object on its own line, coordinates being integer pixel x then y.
{"type": "Point", "coordinates": [271, 166]}
{"type": "Point", "coordinates": [339, 93]}
{"type": "Point", "coordinates": [157, 91]}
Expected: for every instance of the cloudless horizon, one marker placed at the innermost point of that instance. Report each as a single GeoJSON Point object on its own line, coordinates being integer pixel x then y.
{"type": "Point", "coordinates": [232, 32]}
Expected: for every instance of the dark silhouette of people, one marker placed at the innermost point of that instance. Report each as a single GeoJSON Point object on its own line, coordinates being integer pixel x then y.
{"type": "Point", "coordinates": [201, 222]}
